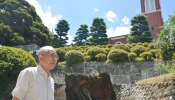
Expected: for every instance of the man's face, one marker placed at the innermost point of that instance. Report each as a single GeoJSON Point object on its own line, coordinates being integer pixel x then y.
{"type": "Point", "coordinates": [49, 59]}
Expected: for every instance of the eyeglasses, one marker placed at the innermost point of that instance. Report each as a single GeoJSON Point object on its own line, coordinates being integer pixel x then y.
{"type": "Point", "coordinates": [52, 55]}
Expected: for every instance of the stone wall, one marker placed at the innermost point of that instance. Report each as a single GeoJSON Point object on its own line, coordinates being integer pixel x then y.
{"type": "Point", "coordinates": [156, 91]}
{"type": "Point", "coordinates": [120, 73]}
{"type": "Point", "coordinates": [31, 47]}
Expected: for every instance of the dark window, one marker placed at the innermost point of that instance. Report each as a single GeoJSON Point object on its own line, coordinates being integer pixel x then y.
{"type": "Point", "coordinates": [152, 28]}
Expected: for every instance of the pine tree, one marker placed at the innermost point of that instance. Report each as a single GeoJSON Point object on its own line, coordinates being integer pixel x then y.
{"type": "Point", "coordinates": [140, 30]}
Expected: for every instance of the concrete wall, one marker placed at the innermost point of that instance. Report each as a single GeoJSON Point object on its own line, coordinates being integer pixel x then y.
{"type": "Point", "coordinates": [30, 47]}
{"type": "Point", "coordinates": [121, 73]}
{"type": "Point", "coordinates": [157, 91]}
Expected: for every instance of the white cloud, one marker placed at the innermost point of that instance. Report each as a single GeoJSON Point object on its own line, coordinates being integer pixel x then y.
{"type": "Point", "coordinates": [125, 20]}
{"type": "Point", "coordinates": [118, 31]}
{"type": "Point", "coordinates": [47, 18]}
{"type": "Point", "coordinates": [111, 16]}
{"type": "Point", "coordinates": [96, 10]}
{"type": "Point", "coordinates": [70, 39]}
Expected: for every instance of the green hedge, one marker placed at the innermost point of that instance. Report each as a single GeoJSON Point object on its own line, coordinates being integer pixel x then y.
{"type": "Point", "coordinates": [74, 57]}
{"type": "Point", "coordinates": [132, 56]}
{"type": "Point", "coordinates": [101, 57]}
{"type": "Point", "coordinates": [87, 58]}
{"type": "Point", "coordinates": [146, 56]}
{"type": "Point", "coordinates": [12, 61]}
{"type": "Point", "coordinates": [92, 52]}
{"type": "Point", "coordinates": [122, 46]}
{"type": "Point", "coordinates": [117, 55]}
{"type": "Point", "coordinates": [61, 53]}
{"type": "Point", "coordinates": [138, 49]}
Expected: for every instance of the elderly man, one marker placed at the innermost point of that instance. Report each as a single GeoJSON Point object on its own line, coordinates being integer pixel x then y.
{"type": "Point", "coordinates": [36, 83]}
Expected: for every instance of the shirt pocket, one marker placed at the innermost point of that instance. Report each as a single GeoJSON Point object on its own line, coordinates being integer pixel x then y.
{"type": "Point", "coordinates": [37, 90]}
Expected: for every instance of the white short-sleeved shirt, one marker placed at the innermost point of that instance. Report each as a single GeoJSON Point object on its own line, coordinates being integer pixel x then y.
{"type": "Point", "coordinates": [33, 83]}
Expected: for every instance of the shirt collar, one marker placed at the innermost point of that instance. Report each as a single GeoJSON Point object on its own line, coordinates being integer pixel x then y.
{"type": "Point", "coordinates": [41, 70]}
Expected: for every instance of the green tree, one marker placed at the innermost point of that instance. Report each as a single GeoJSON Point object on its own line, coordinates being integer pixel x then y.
{"type": "Point", "coordinates": [98, 32]}
{"type": "Point", "coordinates": [5, 32]}
{"type": "Point", "coordinates": [62, 32]}
{"type": "Point", "coordinates": [82, 35]}
{"type": "Point", "coordinates": [23, 20]}
{"type": "Point", "coordinates": [166, 41]}
{"type": "Point", "coordinates": [140, 30]}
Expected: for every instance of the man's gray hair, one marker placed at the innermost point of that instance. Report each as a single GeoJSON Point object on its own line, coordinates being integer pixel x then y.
{"type": "Point", "coordinates": [45, 49]}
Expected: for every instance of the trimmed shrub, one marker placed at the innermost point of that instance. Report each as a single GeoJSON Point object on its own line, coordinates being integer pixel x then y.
{"type": "Point", "coordinates": [87, 58]}
{"type": "Point", "coordinates": [129, 45]}
{"type": "Point", "coordinates": [92, 52]}
{"type": "Point", "coordinates": [138, 49]}
{"type": "Point", "coordinates": [61, 64]}
{"type": "Point", "coordinates": [173, 56]}
{"type": "Point", "coordinates": [132, 56]}
{"type": "Point", "coordinates": [107, 50]}
{"type": "Point", "coordinates": [133, 44]}
{"type": "Point", "coordinates": [82, 51]}
{"type": "Point", "coordinates": [139, 59]}
{"type": "Point", "coordinates": [74, 57]}
{"type": "Point", "coordinates": [146, 56]}
{"type": "Point", "coordinates": [68, 48]}
{"type": "Point", "coordinates": [121, 46]}
{"type": "Point", "coordinates": [152, 46]}
{"type": "Point", "coordinates": [139, 43]}
{"type": "Point", "coordinates": [117, 55]}
{"type": "Point", "coordinates": [100, 57]}
{"type": "Point", "coordinates": [109, 45]}
{"type": "Point", "coordinates": [85, 54]}
{"type": "Point", "coordinates": [103, 46]}
{"type": "Point", "coordinates": [155, 53]}
{"type": "Point", "coordinates": [12, 61]}
{"type": "Point", "coordinates": [145, 44]}
{"type": "Point", "coordinates": [61, 53]}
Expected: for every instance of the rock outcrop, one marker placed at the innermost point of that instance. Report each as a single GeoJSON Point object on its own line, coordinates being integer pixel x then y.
{"type": "Point", "coordinates": [82, 87]}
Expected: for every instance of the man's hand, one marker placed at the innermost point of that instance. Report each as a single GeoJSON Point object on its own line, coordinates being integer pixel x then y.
{"type": "Point", "coordinates": [15, 98]}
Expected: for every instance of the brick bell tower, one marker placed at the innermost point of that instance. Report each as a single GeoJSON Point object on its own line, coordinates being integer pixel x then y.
{"type": "Point", "coordinates": [152, 9]}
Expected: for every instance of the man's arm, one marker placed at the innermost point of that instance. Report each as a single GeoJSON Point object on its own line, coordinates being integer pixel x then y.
{"type": "Point", "coordinates": [22, 85]}
{"type": "Point", "coordinates": [15, 98]}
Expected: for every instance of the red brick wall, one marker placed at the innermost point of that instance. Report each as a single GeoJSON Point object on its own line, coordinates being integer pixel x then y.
{"type": "Point", "coordinates": [143, 5]}
{"type": "Point", "coordinates": [157, 4]}
{"type": "Point", "coordinates": [122, 40]}
{"type": "Point", "coordinates": [155, 20]}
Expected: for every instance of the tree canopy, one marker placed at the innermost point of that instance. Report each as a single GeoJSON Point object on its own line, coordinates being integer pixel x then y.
{"type": "Point", "coordinates": [20, 24]}
{"type": "Point", "coordinates": [166, 40]}
{"type": "Point", "coordinates": [139, 30]}
{"type": "Point", "coordinates": [81, 35]}
{"type": "Point", "coordinates": [98, 32]}
{"type": "Point", "coordinates": [62, 29]}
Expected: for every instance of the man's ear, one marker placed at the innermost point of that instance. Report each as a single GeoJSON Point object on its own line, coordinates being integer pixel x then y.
{"type": "Point", "coordinates": [40, 57]}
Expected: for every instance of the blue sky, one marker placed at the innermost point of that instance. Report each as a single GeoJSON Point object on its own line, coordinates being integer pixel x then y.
{"type": "Point", "coordinates": [116, 13]}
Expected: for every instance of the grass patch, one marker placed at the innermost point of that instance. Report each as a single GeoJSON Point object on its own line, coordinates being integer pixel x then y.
{"type": "Point", "coordinates": [158, 79]}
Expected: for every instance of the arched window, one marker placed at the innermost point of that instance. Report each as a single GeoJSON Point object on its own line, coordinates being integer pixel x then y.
{"type": "Point", "coordinates": [118, 42]}
{"type": "Point", "coordinates": [149, 5]}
